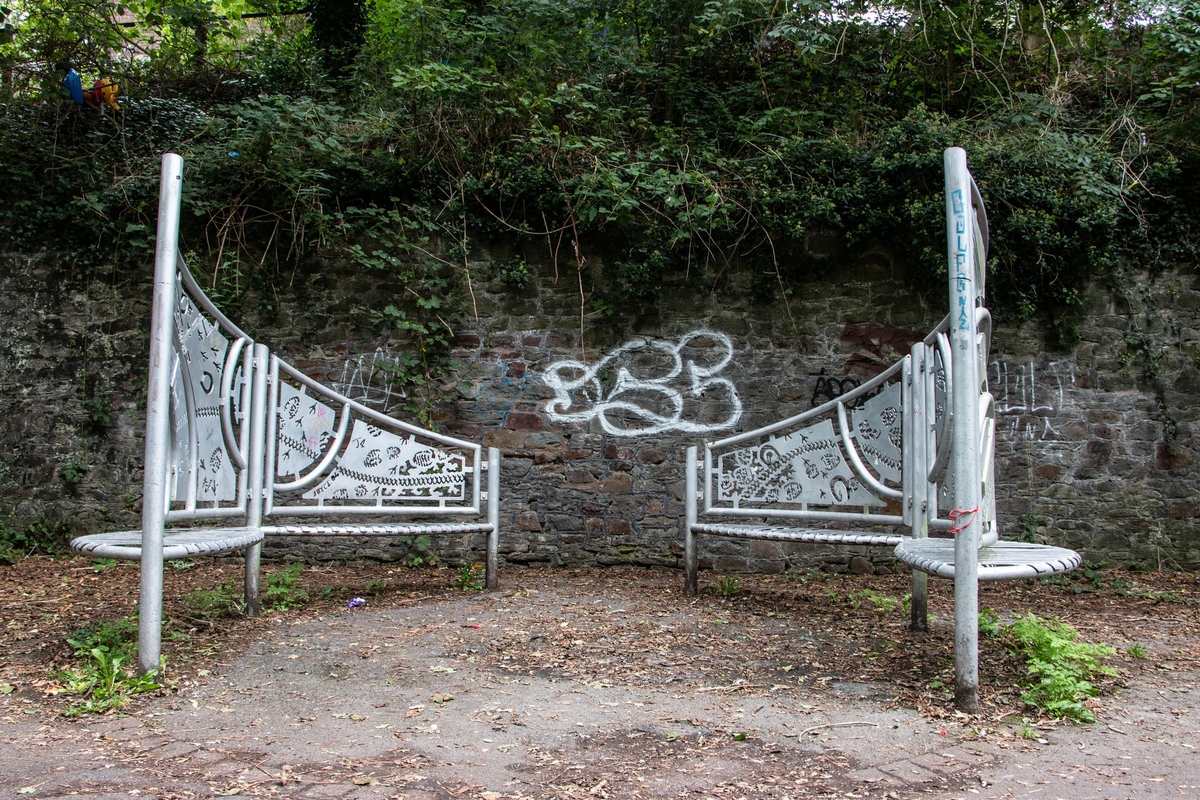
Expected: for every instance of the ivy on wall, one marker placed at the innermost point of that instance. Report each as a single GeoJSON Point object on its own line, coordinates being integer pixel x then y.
{"type": "Point", "coordinates": [713, 137]}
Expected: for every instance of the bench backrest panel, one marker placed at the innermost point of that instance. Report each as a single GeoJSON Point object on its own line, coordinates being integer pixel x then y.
{"type": "Point", "coordinates": [251, 436]}
{"type": "Point", "coordinates": [328, 454]}
{"type": "Point", "coordinates": [838, 459]}
{"type": "Point", "coordinates": [210, 362]}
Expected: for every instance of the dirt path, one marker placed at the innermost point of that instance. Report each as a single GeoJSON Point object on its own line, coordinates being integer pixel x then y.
{"type": "Point", "coordinates": [601, 684]}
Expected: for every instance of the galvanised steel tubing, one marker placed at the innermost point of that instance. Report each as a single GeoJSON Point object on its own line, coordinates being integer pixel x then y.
{"type": "Point", "coordinates": [907, 407]}
{"type": "Point", "coordinates": [983, 323]}
{"type": "Point", "coordinates": [964, 456]}
{"type": "Point", "coordinates": [254, 479]}
{"type": "Point", "coordinates": [324, 510]}
{"type": "Point", "coordinates": [492, 567]}
{"type": "Point", "coordinates": [830, 405]}
{"type": "Point", "coordinates": [804, 513]}
{"type": "Point", "coordinates": [272, 437]}
{"type": "Point", "coordinates": [931, 431]}
{"type": "Point", "coordinates": [372, 413]}
{"type": "Point", "coordinates": [189, 404]}
{"type": "Point", "coordinates": [991, 534]}
{"type": "Point", "coordinates": [916, 438]}
{"type": "Point", "coordinates": [708, 494]}
{"type": "Point", "coordinates": [690, 563]}
{"type": "Point", "coordinates": [477, 484]}
{"type": "Point", "coordinates": [855, 460]}
{"type": "Point", "coordinates": [232, 446]}
{"type": "Point", "coordinates": [158, 416]}
{"type": "Point", "coordinates": [201, 299]}
{"type": "Point", "coordinates": [945, 426]}
{"type": "Point", "coordinates": [185, 514]}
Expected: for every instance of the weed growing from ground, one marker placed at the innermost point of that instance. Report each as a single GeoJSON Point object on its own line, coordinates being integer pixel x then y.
{"type": "Point", "coordinates": [420, 551]}
{"type": "Point", "coordinates": [282, 594]}
{"type": "Point", "coordinates": [1060, 667]}
{"type": "Point", "coordinates": [99, 679]}
{"type": "Point", "coordinates": [727, 586]}
{"type": "Point", "coordinates": [470, 577]}
{"type": "Point", "coordinates": [209, 604]}
{"type": "Point", "coordinates": [989, 623]}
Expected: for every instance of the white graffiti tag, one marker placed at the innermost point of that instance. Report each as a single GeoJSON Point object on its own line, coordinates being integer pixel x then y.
{"type": "Point", "coordinates": [647, 386]}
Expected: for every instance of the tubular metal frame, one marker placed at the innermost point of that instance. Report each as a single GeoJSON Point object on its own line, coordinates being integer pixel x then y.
{"type": "Point", "coordinates": [247, 435]}
{"type": "Point", "coordinates": [947, 456]}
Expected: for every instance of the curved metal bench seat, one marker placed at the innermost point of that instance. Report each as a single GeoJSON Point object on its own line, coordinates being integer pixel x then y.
{"type": "Point", "coordinates": [787, 534]}
{"type": "Point", "coordinates": [1002, 561]}
{"type": "Point", "coordinates": [177, 543]}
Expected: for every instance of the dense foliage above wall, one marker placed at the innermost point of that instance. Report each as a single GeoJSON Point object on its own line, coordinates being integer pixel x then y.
{"type": "Point", "coordinates": [658, 134]}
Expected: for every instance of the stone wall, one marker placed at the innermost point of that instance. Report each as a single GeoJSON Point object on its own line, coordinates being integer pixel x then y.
{"type": "Point", "coordinates": [1097, 445]}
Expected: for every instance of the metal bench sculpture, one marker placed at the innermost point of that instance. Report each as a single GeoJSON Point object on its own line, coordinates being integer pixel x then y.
{"type": "Point", "coordinates": [236, 436]}
{"type": "Point", "coordinates": [904, 454]}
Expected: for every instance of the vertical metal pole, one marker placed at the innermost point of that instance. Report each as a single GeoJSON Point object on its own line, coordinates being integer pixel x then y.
{"type": "Point", "coordinates": [964, 454]}
{"type": "Point", "coordinates": [254, 472]}
{"type": "Point", "coordinates": [492, 567]}
{"type": "Point", "coordinates": [691, 564]}
{"type": "Point", "coordinates": [158, 415]}
{"type": "Point", "coordinates": [917, 440]}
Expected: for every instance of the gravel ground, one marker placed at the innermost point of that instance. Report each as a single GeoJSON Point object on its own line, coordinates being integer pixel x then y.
{"type": "Point", "coordinates": [597, 683]}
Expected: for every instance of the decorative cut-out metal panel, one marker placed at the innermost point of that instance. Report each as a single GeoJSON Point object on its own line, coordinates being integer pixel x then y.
{"type": "Point", "coordinates": [810, 465]}
{"type": "Point", "coordinates": [201, 466]}
{"type": "Point", "coordinates": [329, 451]}
{"type": "Point", "coordinates": [878, 433]}
{"type": "Point", "coordinates": [305, 429]}
{"type": "Point", "coordinates": [378, 464]}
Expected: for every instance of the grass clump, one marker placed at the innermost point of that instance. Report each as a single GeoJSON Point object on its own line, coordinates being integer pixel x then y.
{"type": "Point", "coordinates": [728, 586]}
{"type": "Point", "coordinates": [1061, 668]}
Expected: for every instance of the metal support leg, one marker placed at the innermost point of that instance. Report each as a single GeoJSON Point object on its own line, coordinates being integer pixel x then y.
{"type": "Point", "coordinates": [158, 413]}
{"type": "Point", "coordinates": [919, 618]}
{"type": "Point", "coordinates": [254, 470]}
{"type": "Point", "coordinates": [492, 571]}
{"type": "Point", "coordinates": [916, 442]}
{"type": "Point", "coordinates": [964, 456]}
{"type": "Point", "coordinates": [253, 566]}
{"type": "Point", "coordinates": [691, 565]}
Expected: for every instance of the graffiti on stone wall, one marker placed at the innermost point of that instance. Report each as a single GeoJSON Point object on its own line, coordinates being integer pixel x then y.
{"type": "Point", "coordinates": [648, 386]}
{"type": "Point", "coordinates": [1028, 397]}
{"type": "Point", "coordinates": [829, 388]}
{"type": "Point", "coordinates": [364, 379]}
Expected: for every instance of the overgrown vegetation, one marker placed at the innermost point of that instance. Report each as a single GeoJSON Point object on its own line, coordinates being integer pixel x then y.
{"type": "Point", "coordinates": [707, 136]}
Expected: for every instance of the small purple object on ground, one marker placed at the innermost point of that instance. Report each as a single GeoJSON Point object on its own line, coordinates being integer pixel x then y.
{"type": "Point", "coordinates": [356, 602]}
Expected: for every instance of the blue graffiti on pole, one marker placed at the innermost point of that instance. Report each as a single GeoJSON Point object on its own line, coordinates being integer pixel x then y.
{"type": "Point", "coordinates": [961, 256]}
